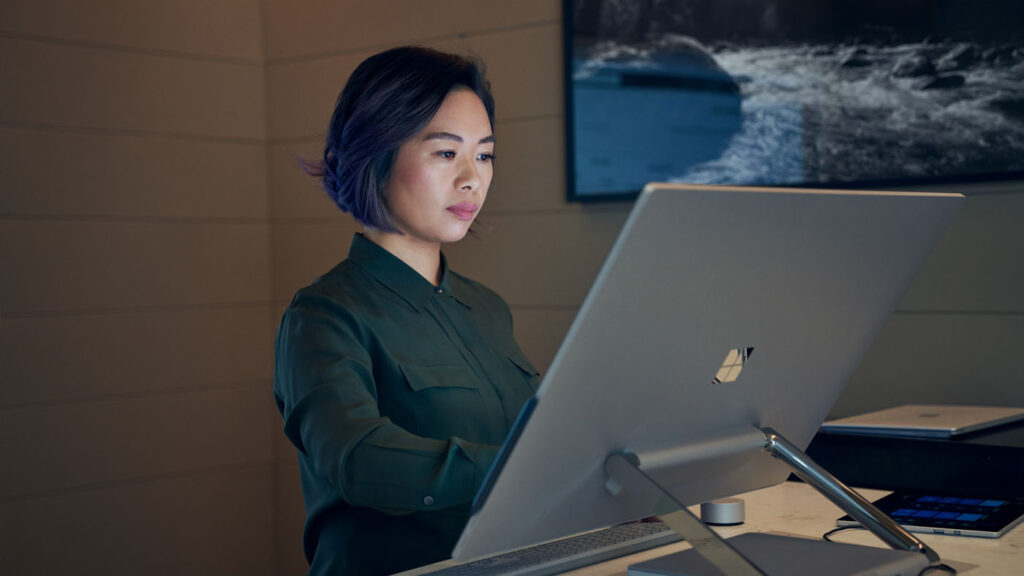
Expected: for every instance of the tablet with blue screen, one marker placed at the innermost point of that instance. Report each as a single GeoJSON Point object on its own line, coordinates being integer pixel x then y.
{"type": "Point", "coordinates": [959, 516]}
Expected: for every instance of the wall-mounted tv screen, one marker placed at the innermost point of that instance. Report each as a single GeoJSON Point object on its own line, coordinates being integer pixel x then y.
{"type": "Point", "coordinates": [791, 92]}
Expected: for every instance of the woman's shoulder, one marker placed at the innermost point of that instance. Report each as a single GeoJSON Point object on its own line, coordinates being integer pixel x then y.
{"type": "Point", "coordinates": [343, 287]}
{"type": "Point", "coordinates": [340, 301]}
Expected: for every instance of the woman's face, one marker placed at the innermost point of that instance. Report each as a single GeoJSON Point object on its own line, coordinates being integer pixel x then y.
{"type": "Point", "coordinates": [441, 175]}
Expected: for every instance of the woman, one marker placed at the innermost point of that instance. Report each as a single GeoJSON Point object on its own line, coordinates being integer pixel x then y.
{"type": "Point", "coordinates": [398, 379]}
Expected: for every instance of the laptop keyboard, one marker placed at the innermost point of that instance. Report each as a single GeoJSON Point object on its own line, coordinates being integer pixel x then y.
{"type": "Point", "coordinates": [569, 553]}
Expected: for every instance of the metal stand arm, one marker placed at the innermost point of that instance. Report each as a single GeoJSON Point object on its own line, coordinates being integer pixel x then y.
{"type": "Point", "coordinates": [841, 495]}
{"type": "Point", "coordinates": [625, 476]}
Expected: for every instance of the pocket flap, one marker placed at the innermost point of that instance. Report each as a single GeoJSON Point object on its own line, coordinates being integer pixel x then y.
{"type": "Point", "coordinates": [520, 360]}
{"type": "Point", "coordinates": [446, 376]}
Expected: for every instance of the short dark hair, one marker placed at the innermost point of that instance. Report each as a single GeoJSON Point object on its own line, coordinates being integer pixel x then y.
{"type": "Point", "coordinates": [388, 99]}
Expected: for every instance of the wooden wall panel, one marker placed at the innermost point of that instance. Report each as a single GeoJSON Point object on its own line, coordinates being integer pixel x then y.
{"type": "Point", "coordinates": [959, 358]}
{"type": "Point", "coordinates": [88, 444]}
{"type": "Point", "coordinates": [977, 267]}
{"type": "Point", "coordinates": [529, 169]}
{"type": "Point", "coordinates": [63, 85]}
{"type": "Point", "coordinates": [540, 332]}
{"type": "Point", "coordinates": [289, 517]}
{"type": "Point", "coordinates": [224, 29]}
{"type": "Point", "coordinates": [305, 251]}
{"type": "Point", "coordinates": [473, 17]}
{"type": "Point", "coordinates": [293, 193]}
{"type": "Point", "coordinates": [136, 331]}
{"type": "Point", "coordinates": [206, 524]}
{"type": "Point", "coordinates": [301, 95]}
{"type": "Point", "coordinates": [103, 355]}
{"type": "Point", "coordinates": [525, 69]}
{"type": "Point", "coordinates": [325, 27]}
{"type": "Point", "coordinates": [88, 265]}
{"type": "Point", "coordinates": [90, 174]}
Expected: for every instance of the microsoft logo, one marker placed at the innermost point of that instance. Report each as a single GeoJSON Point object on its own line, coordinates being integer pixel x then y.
{"type": "Point", "coordinates": [732, 365]}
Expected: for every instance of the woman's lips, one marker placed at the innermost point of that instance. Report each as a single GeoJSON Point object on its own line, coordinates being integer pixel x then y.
{"type": "Point", "coordinates": [463, 211]}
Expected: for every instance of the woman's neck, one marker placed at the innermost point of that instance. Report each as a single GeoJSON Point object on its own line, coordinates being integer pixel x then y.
{"type": "Point", "coordinates": [423, 257]}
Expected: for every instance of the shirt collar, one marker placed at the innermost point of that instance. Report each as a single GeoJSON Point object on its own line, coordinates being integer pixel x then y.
{"type": "Point", "coordinates": [399, 277]}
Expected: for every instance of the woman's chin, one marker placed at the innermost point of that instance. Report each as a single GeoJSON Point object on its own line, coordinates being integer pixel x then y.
{"type": "Point", "coordinates": [457, 233]}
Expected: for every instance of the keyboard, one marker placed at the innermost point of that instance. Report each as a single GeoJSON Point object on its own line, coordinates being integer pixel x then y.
{"type": "Point", "coordinates": [569, 553]}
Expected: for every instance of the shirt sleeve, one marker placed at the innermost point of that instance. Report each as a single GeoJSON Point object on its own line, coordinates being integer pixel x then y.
{"type": "Point", "coordinates": [325, 390]}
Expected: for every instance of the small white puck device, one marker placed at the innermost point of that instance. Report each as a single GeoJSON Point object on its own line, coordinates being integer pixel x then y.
{"type": "Point", "coordinates": [723, 512]}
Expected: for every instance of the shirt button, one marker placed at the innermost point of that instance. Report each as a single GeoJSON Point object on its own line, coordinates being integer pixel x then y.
{"type": "Point", "coordinates": [429, 500]}
{"type": "Point", "coordinates": [439, 291]}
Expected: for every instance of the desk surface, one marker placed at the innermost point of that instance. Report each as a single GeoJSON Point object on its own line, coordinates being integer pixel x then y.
{"type": "Point", "coordinates": [796, 509]}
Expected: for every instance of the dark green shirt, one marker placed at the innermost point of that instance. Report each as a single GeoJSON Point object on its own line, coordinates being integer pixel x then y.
{"type": "Point", "coordinates": [398, 395]}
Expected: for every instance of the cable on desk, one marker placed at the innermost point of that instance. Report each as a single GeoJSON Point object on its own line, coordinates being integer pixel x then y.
{"type": "Point", "coordinates": [943, 566]}
{"type": "Point", "coordinates": [826, 535]}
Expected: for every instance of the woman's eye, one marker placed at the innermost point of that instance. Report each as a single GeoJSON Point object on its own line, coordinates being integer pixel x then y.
{"type": "Point", "coordinates": [486, 157]}
{"type": "Point", "coordinates": [447, 154]}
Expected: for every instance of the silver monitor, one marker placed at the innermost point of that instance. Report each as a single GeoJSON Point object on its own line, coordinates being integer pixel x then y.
{"type": "Point", "coordinates": [719, 311]}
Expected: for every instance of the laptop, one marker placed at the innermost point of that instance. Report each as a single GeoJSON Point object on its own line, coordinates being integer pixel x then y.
{"type": "Point", "coordinates": [719, 310]}
{"type": "Point", "coordinates": [925, 420]}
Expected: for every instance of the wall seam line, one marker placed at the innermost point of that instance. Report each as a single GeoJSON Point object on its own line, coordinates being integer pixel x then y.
{"type": "Point", "coordinates": [140, 480]}
{"type": "Point", "coordinates": [127, 49]}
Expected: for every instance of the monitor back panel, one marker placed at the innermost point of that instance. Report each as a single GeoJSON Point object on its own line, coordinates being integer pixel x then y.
{"type": "Point", "coordinates": [717, 310]}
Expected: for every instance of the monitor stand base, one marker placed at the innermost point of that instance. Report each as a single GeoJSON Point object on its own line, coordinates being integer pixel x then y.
{"type": "Point", "coordinates": [791, 556]}
{"type": "Point", "coordinates": [625, 477]}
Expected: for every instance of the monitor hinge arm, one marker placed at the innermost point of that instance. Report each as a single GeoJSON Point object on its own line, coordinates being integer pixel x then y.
{"type": "Point", "coordinates": [859, 508]}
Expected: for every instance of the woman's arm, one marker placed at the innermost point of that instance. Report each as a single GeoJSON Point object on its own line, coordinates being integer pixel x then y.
{"type": "Point", "coordinates": [324, 388]}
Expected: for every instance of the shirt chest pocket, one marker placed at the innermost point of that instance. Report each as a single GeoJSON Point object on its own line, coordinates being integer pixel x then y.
{"type": "Point", "coordinates": [422, 378]}
{"type": "Point", "coordinates": [441, 401]}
